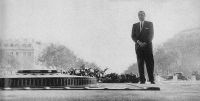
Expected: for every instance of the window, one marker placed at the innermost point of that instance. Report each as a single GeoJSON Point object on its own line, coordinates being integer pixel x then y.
{"type": "Point", "coordinates": [11, 53]}
{"type": "Point", "coordinates": [17, 53]}
{"type": "Point", "coordinates": [5, 45]}
{"type": "Point", "coordinates": [24, 45]}
{"type": "Point", "coordinates": [11, 45]}
{"type": "Point", "coordinates": [29, 45]}
{"type": "Point", "coordinates": [24, 53]}
{"type": "Point", "coordinates": [16, 45]}
{"type": "Point", "coordinates": [29, 54]}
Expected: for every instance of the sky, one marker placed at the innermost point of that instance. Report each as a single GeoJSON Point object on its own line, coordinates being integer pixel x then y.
{"type": "Point", "coordinates": [96, 30]}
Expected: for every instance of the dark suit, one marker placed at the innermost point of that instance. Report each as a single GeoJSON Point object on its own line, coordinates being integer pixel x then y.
{"type": "Point", "coordinates": [144, 54]}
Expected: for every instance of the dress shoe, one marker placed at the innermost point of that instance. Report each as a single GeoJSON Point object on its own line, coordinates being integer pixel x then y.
{"type": "Point", "coordinates": [142, 82]}
{"type": "Point", "coordinates": [152, 82]}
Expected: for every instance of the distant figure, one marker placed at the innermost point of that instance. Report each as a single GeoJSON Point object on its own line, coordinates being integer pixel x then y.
{"type": "Point", "coordinates": [142, 35]}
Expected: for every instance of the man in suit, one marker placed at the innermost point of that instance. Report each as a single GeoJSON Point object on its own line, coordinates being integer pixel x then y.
{"type": "Point", "coordinates": [142, 35]}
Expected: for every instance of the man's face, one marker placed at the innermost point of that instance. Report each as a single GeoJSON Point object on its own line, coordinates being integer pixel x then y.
{"type": "Point", "coordinates": [141, 16]}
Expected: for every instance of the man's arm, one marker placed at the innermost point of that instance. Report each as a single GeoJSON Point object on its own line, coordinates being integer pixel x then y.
{"type": "Point", "coordinates": [150, 37]}
{"type": "Point", "coordinates": [151, 34]}
{"type": "Point", "coordinates": [133, 35]}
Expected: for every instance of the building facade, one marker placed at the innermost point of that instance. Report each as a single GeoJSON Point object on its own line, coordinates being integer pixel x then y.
{"type": "Point", "coordinates": [20, 54]}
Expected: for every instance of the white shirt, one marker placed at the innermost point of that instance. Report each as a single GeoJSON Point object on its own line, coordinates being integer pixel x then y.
{"type": "Point", "coordinates": [141, 25]}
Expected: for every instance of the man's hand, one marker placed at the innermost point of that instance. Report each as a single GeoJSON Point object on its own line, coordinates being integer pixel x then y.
{"type": "Point", "coordinates": [144, 44]}
{"type": "Point", "coordinates": [141, 44]}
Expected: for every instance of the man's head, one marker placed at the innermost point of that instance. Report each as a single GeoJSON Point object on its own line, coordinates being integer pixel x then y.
{"type": "Point", "coordinates": [141, 15]}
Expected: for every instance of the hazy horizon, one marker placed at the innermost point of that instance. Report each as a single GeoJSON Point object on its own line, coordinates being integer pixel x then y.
{"type": "Point", "coordinates": [96, 30]}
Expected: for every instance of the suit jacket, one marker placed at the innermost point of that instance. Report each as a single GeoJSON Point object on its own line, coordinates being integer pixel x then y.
{"type": "Point", "coordinates": [146, 35]}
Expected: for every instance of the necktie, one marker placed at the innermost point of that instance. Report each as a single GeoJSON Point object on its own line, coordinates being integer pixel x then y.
{"type": "Point", "coordinates": [141, 25]}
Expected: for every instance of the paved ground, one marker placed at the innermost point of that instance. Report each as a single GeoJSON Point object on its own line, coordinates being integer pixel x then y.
{"type": "Point", "coordinates": [170, 91]}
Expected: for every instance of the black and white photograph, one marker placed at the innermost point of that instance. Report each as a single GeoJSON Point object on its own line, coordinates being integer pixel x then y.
{"type": "Point", "coordinates": [99, 50]}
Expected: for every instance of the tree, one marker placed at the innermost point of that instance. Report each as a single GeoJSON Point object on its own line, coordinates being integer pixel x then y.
{"type": "Point", "coordinates": [62, 58]}
{"type": "Point", "coordinates": [58, 56]}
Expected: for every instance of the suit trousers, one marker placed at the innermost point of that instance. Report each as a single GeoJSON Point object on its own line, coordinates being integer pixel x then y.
{"type": "Point", "coordinates": [145, 56]}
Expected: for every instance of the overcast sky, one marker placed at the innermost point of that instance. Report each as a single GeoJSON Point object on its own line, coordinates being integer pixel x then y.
{"type": "Point", "coordinates": [96, 30]}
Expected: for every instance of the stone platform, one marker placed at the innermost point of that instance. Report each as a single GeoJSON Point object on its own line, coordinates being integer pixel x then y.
{"type": "Point", "coordinates": [44, 79]}
{"type": "Point", "coordinates": [170, 91]}
{"type": "Point", "coordinates": [99, 86]}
